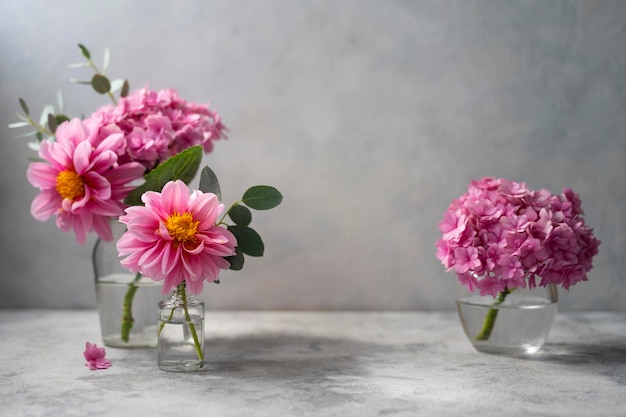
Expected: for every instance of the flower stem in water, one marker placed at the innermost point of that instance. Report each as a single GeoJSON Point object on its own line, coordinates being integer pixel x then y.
{"type": "Point", "coordinates": [492, 314]}
{"type": "Point", "coordinates": [196, 342]}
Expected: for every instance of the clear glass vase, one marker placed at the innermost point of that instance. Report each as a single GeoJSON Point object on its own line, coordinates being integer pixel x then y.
{"type": "Point", "coordinates": [514, 323]}
{"type": "Point", "coordinates": [181, 332]}
{"type": "Point", "coordinates": [126, 302]}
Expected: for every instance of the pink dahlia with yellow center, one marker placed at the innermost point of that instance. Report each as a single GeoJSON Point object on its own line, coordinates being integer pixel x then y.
{"type": "Point", "coordinates": [174, 238]}
{"type": "Point", "coordinates": [81, 180]}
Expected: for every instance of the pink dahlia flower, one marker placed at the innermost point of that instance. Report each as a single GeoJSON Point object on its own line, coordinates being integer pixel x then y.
{"type": "Point", "coordinates": [173, 238]}
{"type": "Point", "coordinates": [81, 181]}
{"type": "Point", "coordinates": [157, 125]}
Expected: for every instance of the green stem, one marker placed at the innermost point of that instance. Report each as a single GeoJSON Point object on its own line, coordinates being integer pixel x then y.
{"type": "Point", "coordinates": [490, 319]}
{"type": "Point", "coordinates": [40, 128]}
{"type": "Point", "coordinates": [168, 320]}
{"type": "Point", "coordinates": [112, 97]}
{"type": "Point", "coordinates": [127, 309]}
{"type": "Point", "coordinates": [196, 342]}
{"type": "Point", "coordinates": [227, 211]}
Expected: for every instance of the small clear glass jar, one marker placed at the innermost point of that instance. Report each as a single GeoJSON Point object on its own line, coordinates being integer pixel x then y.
{"type": "Point", "coordinates": [180, 332]}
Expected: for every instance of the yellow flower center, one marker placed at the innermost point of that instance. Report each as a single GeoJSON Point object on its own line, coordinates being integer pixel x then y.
{"type": "Point", "coordinates": [182, 227]}
{"type": "Point", "coordinates": [70, 185]}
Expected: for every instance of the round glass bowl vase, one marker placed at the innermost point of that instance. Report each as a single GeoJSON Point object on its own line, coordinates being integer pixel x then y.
{"type": "Point", "coordinates": [514, 323]}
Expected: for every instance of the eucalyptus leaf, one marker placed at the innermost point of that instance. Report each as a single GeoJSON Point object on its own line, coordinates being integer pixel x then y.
{"type": "Point", "coordinates": [84, 51]}
{"type": "Point", "coordinates": [248, 240]}
{"type": "Point", "coordinates": [101, 84]}
{"type": "Point", "coordinates": [125, 88]}
{"type": "Point", "coordinates": [78, 65]}
{"type": "Point", "coordinates": [18, 124]}
{"type": "Point", "coordinates": [77, 81]}
{"type": "Point", "coordinates": [52, 123]}
{"type": "Point", "coordinates": [60, 100]}
{"type": "Point", "coordinates": [34, 146]}
{"type": "Point", "coordinates": [182, 166]}
{"type": "Point", "coordinates": [48, 109]}
{"type": "Point", "coordinates": [116, 84]}
{"type": "Point", "coordinates": [29, 134]}
{"type": "Point", "coordinates": [262, 197]}
{"type": "Point", "coordinates": [61, 118]}
{"type": "Point", "coordinates": [39, 136]}
{"type": "Point", "coordinates": [236, 261]}
{"type": "Point", "coordinates": [240, 215]}
{"type": "Point", "coordinates": [209, 182]}
{"type": "Point", "coordinates": [23, 118]}
{"type": "Point", "coordinates": [106, 60]}
{"type": "Point", "coordinates": [24, 106]}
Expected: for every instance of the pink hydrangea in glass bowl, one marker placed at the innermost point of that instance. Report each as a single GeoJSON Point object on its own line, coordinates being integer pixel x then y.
{"type": "Point", "coordinates": [511, 247]}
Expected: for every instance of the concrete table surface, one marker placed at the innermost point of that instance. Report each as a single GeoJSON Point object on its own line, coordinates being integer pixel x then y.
{"type": "Point", "coordinates": [315, 364]}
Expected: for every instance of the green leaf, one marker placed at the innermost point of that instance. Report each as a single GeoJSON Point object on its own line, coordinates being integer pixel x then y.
{"type": "Point", "coordinates": [209, 182]}
{"type": "Point", "coordinates": [77, 81]}
{"type": "Point", "coordinates": [24, 106]}
{"type": "Point", "coordinates": [34, 146]}
{"type": "Point", "coordinates": [18, 124]}
{"type": "Point", "coordinates": [262, 197]}
{"type": "Point", "coordinates": [23, 118]}
{"type": "Point", "coordinates": [52, 123]}
{"type": "Point", "coordinates": [101, 84]}
{"type": "Point", "coordinates": [125, 88]}
{"type": "Point", "coordinates": [45, 112]}
{"type": "Point", "coordinates": [248, 240]}
{"type": "Point", "coordinates": [39, 136]}
{"type": "Point", "coordinates": [61, 118]}
{"type": "Point", "coordinates": [236, 261]}
{"type": "Point", "coordinates": [60, 100]}
{"type": "Point", "coordinates": [84, 51]}
{"type": "Point", "coordinates": [240, 215]}
{"type": "Point", "coordinates": [182, 166]}
{"type": "Point", "coordinates": [106, 59]}
{"type": "Point", "coordinates": [29, 134]}
{"type": "Point", "coordinates": [116, 84]}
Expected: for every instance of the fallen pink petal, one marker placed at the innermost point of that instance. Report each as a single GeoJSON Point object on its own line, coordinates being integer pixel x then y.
{"type": "Point", "coordinates": [95, 357]}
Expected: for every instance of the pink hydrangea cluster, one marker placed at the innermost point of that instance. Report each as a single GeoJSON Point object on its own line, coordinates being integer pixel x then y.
{"type": "Point", "coordinates": [157, 125]}
{"type": "Point", "coordinates": [500, 234]}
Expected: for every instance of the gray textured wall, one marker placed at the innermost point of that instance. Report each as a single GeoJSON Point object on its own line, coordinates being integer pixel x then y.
{"type": "Point", "coordinates": [370, 117]}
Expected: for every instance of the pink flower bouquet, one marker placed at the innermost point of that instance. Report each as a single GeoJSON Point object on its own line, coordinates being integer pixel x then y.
{"type": "Point", "coordinates": [500, 235]}
{"type": "Point", "coordinates": [142, 150]}
{"type": "Point", "coordinates": [88, 167]}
